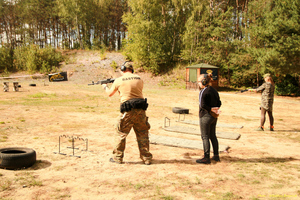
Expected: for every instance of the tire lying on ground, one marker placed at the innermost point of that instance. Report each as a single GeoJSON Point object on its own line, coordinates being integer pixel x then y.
{"type": "Point", "coordinates": [180, 110]}
{"type": "Point", "coordinates": [17, 157]}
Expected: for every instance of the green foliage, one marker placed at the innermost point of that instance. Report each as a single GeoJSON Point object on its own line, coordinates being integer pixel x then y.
{"type": "Point", "coordinates": [287, 85]}
{"type": "Point", "coordinates": [6, 59]}
{"type": "Point", "coordinates": [154, 29]}
{"type": "Point", "coordinates": [243, 79]}
{"type": "Point", "coordinates": [281, 33]}
{"type": "Point", "coordinates": [114, 65]}
{"type": "Point", "coordinates": [103, 52]}
{"type": "Point", "coordinates": [33, 59]}
{"type": "Point", "coordinates": [242, 38]}
{"type": "Point", "coordinates": [209, 36]}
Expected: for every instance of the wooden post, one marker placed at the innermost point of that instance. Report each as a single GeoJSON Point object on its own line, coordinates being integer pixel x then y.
{"type": "Point", "coordinates": [6, 86]}
{"type": "Point", "coordinates": [16, 86]}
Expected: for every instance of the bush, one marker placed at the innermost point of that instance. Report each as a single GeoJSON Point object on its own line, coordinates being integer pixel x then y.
{"type": "Point", "coordinates": [6, 60]}
{"type": "Point", "coordinates": [114, 65]}
{"type": "Point", "coordinates": [33, 59]}
{"type": "Point", "coordinates": [243, 80]}
{"type": "Point", "coordinates": [49, 58]}
{"type": "Point", "coordinates": [287, 85]}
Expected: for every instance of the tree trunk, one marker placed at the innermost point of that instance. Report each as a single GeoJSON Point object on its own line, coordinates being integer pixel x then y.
{"type": "Point", "coordinates": [257, 77]}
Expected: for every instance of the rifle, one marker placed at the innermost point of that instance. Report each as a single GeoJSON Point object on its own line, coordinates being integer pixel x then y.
{"type": "Point", "coordinates": [241, 91]}
{"type": "Point", "coordinates": [105, 81]}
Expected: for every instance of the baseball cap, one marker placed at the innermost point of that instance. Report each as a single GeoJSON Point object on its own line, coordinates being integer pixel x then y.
{"type": "Point", "coordinates": [128, 66]}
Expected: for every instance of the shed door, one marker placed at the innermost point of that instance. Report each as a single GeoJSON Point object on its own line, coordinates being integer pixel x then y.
{"type": "Point", "coordinates": [193, 75]}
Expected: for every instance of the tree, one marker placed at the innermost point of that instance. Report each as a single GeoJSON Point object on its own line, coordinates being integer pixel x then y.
{"type": "Point", "coordinates": [154, 30]}
{"type": "Point", "coordinates": [282, 37]}
{"type": "Point", "coordinates": [209, 34]}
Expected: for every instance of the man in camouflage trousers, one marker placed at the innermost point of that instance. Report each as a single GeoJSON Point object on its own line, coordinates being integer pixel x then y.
{"type": "Point", "coordinates": [133, 114]}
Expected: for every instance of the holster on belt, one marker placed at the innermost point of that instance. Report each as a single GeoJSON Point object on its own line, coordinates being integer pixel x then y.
{"type": "Point", "coordinates": [134, 104]}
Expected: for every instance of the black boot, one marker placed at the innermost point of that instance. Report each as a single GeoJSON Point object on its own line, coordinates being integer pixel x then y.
{"type": "Point", "coordinates": [204, 160]}
{"type": "Point", "coordinates": [216, 158]}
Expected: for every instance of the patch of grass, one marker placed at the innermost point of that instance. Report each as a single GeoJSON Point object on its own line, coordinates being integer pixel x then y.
{"type": "Point", "coordinates": [41, 95]}
{"type": "Point", "coordinates": [255, 182]}
{"type": "Point", "coordinates": [277, 186]}
{"type": "Point", "coordinates": [5, 185]}
{"type": "Point", "coordinates": [68, 101]}
{"type": "Point", "coordinates": [63, 196]}
{"type": "Point", "coordinates": [262, 174]}
{"type": "Point", "coordinates": [4, 139]}
{"type": "Point", "coordinates": [21, 119]}
{"type": "Point", "coordinates": [158, 190]}
{"type": "Point", "coordinates": [138, 186]}
{"type": "Point", "coordinates": [230, 196]}
{"type": "Point", "coordinates": [26, 178]}
{"type": "Point", "coordinates": [168, 197]}
{"type": "Point", "coordinates": [58, 168]}
{"type": "Point", "coordinates": [241, 177]}
{"type": "Point", "coordinates": [3, 135]}
{"type": "Point", "coordinates": [35, 183]}
{"type": "Point", "coordinates": [198, 181]}
{"type": "Point", "coordinates": [71, 60]}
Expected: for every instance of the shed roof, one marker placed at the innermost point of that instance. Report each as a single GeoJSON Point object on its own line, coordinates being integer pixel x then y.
{"type": "Point", "coordinates": [202, 65]}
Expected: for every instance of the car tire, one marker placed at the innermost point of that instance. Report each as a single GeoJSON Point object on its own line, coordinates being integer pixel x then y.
{"type": "Point", "coordinates": [17, 157]}
{"type": "Point", "coordinates": [180, 110]}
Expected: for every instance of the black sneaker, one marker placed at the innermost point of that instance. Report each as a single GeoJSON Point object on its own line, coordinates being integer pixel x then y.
{"type": "Point", "coordinates": [216, 158]}
{"type": "Point", "coordinates": [114, 161]}
{"type": "Point", "coordinates": [203, 161]}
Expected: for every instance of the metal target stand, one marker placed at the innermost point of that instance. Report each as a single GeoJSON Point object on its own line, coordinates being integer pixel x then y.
{"type": "Point", "coordinates": [71, 139]}
{"type": "Point", "coordinates": [180, 114]}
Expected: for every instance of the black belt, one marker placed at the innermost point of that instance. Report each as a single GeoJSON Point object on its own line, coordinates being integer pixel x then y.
{"type": "Point", "coordinates": [133, 104]}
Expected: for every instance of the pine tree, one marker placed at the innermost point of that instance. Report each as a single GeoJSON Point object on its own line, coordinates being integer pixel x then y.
{"type": "Point", "coordinates": [154, 30]}
{"type": "Point", "coordinates": [282, 37]}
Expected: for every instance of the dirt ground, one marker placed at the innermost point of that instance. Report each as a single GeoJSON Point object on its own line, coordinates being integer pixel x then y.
{"type": "Point", "coordinates": [260, 165]}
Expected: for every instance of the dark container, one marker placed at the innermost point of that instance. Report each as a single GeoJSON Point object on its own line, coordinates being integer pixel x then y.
{"type": "Point", "coordinates": [61, 76]}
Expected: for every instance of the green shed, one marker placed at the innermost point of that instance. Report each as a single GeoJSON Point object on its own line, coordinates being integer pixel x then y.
{"type": "Point", "coordinates": [194, 71]}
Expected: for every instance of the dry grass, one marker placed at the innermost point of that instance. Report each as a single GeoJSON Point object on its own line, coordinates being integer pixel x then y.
{"type": "Point", "coordinates": [260, 165]}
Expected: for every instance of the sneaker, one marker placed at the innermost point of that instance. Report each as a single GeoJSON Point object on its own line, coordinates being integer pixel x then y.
{"type": "Point", "coordinates": [203, 161]}
{"type": "Point", "coordinates": [216, 158]}
{"type": "Point", "coordinates": [260, 129]}
{"type": "Point", "coordinates": [271, 128]}
{"type": "Point", "coordinates": [147, 162]}
{"type": "Point", "coordinates": [115, 161]}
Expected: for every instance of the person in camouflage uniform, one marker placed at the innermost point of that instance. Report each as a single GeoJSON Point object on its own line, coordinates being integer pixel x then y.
{"type": "Point", "coordinates": [267, 99]}
{"type": "Point", "coordinates": [133, 114]}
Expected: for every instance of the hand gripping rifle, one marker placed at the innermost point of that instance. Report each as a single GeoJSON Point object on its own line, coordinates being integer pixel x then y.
{"type": "Point", "coordinates": [105, 81]}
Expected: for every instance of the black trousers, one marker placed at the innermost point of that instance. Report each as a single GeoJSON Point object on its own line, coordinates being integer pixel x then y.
{"type": "Point", "coordinates": [208, 133]}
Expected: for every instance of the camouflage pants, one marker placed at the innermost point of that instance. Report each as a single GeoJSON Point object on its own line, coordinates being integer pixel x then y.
{"type": "Point", "coordinates": [136, 119]}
